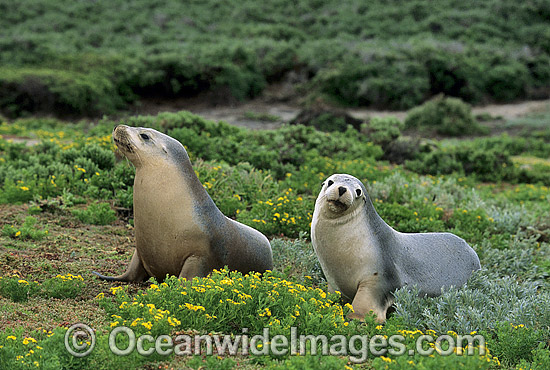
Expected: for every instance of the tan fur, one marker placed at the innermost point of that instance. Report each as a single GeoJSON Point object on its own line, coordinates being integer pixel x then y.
{"type": "Point", "coordinates": [179, 230]}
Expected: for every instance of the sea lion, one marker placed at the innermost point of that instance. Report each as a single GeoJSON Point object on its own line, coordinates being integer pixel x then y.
{"type": "Point", "coordinates": [178, 228]}
{"type": "Point", "coordinates": [366, 260]}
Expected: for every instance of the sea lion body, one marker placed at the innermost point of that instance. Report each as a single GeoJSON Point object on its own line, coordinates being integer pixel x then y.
{"type": "Point", "coordinates": [366, 260]}
{"type": "Point", "coordinates": [178, 228]}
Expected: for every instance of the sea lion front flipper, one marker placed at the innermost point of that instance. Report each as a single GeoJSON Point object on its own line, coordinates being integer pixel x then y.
{"type": "Point", "coordinates": [366, 301]}
{"type": "Point", "coordinates": [135, 272]}
{"type": "Point", "coordinates": [193, 266]}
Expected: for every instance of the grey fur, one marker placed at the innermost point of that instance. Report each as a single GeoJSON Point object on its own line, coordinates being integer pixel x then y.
{"type": "Point", "coordinates": [377, 259]}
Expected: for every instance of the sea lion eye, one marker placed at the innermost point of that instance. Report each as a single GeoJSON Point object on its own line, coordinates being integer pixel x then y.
{"type": "Point", "coordinates": [358, 191]}
{"type": "Point", "coordinates": [330, 182]}
{"type": "Point", "coordinates": [144, 136]}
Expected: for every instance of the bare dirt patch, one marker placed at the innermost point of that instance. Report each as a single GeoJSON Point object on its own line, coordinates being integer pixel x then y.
{"type": "Point", "coordinates": [70, 247]}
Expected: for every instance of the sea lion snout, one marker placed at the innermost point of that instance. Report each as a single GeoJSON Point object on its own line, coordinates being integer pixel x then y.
{"type": "Point", "coordinates": [338, 198]}
{"type": "Point", "coordinates": [120, 134]}
{"type": "Point", "coordinates": [122, 139]}
{"type": "Point", "coordinates": [118, 130]}
{"type": "Point", "coordinates": [340, 192]}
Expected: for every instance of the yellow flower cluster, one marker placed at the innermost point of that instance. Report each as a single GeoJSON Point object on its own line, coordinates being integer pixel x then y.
{"type": "Point", "coordinates": [227, 297]}
{"type": "Point", "coordinates": [155, 314]}
{"type": "Point", "coordinates": [415, 334]}
{"type": "Point", "coordinates": [191, 307]}
{"type": "Point", "coordinates": [115, 290]}
{"type": "Point", "coordinates": [286, 212]}
{"type": "Point", "coordinates": [31, 347]}
{"type": "Point", "coordinates": [265, 312]}
{"type": "Point", "coordinates": [69, 277]}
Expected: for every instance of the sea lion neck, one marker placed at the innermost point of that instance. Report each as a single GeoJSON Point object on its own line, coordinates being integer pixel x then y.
{"type": "Point", "coordinates": [176, 174]}
{"type": "Point", "coordinates": [374, 219]}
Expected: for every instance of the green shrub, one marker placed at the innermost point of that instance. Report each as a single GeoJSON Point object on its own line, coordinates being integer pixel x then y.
{"type": "Point", "coordinates": [507, 82]}
{"type": "Point", "coordinates": [513, 343]}
{"type": "Point", "coordinates": [16, 193]}
{"type": "Point", "coordinates": [289, 215]}
{"type": "Point", "coordinates": [393, 56]}
{"type": "Point", "coordinates": [234, 189]}
{"type": "Point", "coordinates": [281, 151]}
{"type": "Point", "coordinates": [383, 131]}
{"type": "Point", "coordinates": [310, 362]}
{"type": "Point", "coordinates": [541, 359]}
{"type": "Point", "coordinates": [26, 231]}
{"type": "Point", "coordinates": [60, 286]}
{"type": "Point", "coordinates": [18, 290]}
{"type": "Point", "coordinates": [326, 120]}
{"type": "Point", "coordinates": [486, 300]}
{"type": "Point", "coordinates": [446, 116]}
{"type": "Point", "coordinates": [297, 260]}
{"type": "Point", "coordinates": [63, 286]}
{"type": "Point", "coordinates": [32, 90]}
{"type": "Point", "coordinates": [96, 214]}
{"type": "Point", "coordinates": [452, 361]}
{"type": "Point", "coordinates": [227, 302]}
{"type": "Point", "coordinates": [437, 162]}
{"type": "Point", "coordinates": [466, 158]}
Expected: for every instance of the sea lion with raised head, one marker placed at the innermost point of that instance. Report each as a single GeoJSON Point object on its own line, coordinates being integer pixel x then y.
{"type": "Point", "coordinates": [366, 260]}
{"type": "Point", "coordinates": [178, 228]}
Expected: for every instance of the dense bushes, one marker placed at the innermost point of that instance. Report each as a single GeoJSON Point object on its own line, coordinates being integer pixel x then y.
{"type": "Point", "coordinates": [385, 55]}
{"type": "Point", "coordinates": [507, 225]}
{"type": "Point", "coordinates": [69, 162]}
{"type": "Point", "coordinates": [446, 116]}
{"type": "Point", "coordinates": [282, 151]}
{"type": "Point", "coordinates": [488, 159]}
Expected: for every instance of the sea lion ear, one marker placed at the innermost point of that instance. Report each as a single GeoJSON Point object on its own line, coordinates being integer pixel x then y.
{"type": "Point", "coordinates": [364, 194]}
{"type": "Point", "coordinates": [164, 149]}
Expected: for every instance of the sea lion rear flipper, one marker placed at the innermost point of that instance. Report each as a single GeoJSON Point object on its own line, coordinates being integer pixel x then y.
{"type": "Point", "coordinates": [135, 272]}
{"type": "Point", "coordinates": [366, 301]}
{"type": "Point", "coordinates": [193, 266]}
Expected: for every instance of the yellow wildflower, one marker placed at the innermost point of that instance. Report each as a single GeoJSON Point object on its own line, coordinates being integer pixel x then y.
{"type": "Point", "coordinates": [147, 325]}
{"type": "Point", "coordinates": [28, 340]}
{"type": "Point", "coordinates": [349, 306]}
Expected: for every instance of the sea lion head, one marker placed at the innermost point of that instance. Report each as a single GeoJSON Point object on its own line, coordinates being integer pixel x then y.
{"type": "Point", "coordinates": [143, 146]}
{"type": "Point", "coordinates": [341, 194]}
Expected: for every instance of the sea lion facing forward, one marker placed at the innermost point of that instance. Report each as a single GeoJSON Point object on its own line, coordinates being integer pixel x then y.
{"type": "Point", "coordinates": [366, 260]}
{"type": "Point", "coordinates": [178, 228]}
